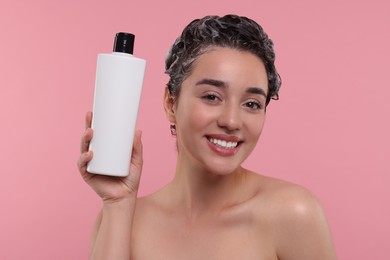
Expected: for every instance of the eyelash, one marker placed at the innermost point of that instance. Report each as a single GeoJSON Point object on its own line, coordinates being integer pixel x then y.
{"type": "Point", "coordinates": [250, 104]}
{"type": "Point", "coordinates": [211, 97]}
{"type": "Point", "coordinates": [253, 105]}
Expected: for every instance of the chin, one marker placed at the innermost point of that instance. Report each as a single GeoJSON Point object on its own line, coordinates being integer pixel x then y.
{"type": "Point", "coordinates": [222, 169]}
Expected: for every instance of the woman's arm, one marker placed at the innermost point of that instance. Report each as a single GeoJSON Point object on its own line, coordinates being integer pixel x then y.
{"type": "Point", "coordinates": [111, 236]}
{"type": "Point", "coordinates": [112, 231]}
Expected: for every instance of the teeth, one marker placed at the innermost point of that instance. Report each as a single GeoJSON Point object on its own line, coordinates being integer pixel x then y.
{"type": "Point", "coordinates": [223, 143]}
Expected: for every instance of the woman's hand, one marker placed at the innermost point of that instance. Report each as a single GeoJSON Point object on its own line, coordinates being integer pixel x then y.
{"type": "Point", "coordinates": [111, 189]}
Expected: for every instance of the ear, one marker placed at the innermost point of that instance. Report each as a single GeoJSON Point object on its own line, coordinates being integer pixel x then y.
{"type": "Point", "coordinates": [169, 106]}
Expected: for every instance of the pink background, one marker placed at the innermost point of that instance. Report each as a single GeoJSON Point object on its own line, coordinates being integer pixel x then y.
{"type": "Point", "coordinates": [329, 131]}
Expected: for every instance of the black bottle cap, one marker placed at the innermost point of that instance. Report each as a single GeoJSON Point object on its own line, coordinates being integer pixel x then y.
{"type": "Point", "coordinates": [124, 42]}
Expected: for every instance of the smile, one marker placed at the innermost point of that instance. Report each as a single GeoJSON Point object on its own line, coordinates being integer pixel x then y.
{"type": "Point", "coordinates": [223, 143]}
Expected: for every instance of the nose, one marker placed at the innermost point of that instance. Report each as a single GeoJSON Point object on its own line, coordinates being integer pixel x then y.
{"type": "Point", "coordinates": [230, 117]}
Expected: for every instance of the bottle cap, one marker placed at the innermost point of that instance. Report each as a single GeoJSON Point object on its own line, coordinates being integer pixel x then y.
{"type": "Point", "coordinates": [124, 42]}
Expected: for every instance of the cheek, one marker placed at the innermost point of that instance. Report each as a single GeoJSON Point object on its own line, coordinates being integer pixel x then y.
{"type": "Point", "coordinates": [193, 115]}
{"type": "Point", "coordinates": [255, 127]}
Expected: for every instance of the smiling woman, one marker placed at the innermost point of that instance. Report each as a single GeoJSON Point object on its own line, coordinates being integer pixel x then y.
{"type": "Point", "coordinates": [222, 77]}
{"type": "Point", "coordinates": [215, 104]}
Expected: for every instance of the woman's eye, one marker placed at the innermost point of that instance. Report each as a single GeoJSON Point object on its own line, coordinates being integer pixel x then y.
{"type": "Point", "coordinates": [210, 97]}
{"type": "Point", "coordinates": [254, 105]}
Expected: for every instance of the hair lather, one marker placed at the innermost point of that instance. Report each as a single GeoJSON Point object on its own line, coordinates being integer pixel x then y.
{"type": "Point", "coordinates": [231, 31]}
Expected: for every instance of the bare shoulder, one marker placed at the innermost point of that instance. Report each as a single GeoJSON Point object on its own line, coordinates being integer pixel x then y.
{"type": "Point", "coordinates": [288, 198]}
{"type": "Point", "coordinates": [148, 203]}
{"type": "Point", "coordinates": [151, 207]}
{"type": "Point", "coordinates": [297, 220]}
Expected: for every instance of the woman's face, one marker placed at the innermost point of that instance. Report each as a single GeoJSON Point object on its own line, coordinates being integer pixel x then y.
{"type": "Point", "coordinates": [220, 112]}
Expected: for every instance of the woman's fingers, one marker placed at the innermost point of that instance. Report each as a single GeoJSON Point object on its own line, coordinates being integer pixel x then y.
{"type": "Point", "coordinates": [85, 140]}
{"type": "Point", "coordinates": [83, 161]}
{"type": "Point", "coordinates": [137, 159]}
{"type": "Point", "coordinates": [85, 155]}
{"type": "Point", "coordinates": [134, 176]}
{"type": "Point", "coordinates": [87, 137]}
{"type": "Point", "coordinates": [88, 120]}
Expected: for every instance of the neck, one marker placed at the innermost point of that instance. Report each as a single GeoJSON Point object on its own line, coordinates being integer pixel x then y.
{"type": "Point", "coordinates": [200, 192]}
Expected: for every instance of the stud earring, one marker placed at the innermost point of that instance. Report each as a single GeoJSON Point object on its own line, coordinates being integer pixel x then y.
{"type": "Point", "coordinates": [173, 129]}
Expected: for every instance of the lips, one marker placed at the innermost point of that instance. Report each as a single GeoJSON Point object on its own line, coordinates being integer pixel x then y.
{"type": "Point", "coordinates": [224, 145]}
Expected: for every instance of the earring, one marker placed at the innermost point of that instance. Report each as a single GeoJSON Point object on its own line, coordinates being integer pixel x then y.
{"type": "Point", "coordinates": [173, 129]}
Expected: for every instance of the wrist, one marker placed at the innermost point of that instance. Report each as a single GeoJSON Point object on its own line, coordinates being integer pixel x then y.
{"type": "Point", "coordinates": [124, 203]}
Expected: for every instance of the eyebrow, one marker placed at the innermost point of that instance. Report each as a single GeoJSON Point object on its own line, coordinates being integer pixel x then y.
{"type": "Point", "coordinates": [212, 82]}
{"type": "Point", "coordinates": [255, 90]}
{"type": "Point", "coordinates": [221, 84]}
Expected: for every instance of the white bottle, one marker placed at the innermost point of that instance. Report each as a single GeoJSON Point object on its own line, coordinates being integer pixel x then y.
{"type": "Point", "coordinates": [118, 86]}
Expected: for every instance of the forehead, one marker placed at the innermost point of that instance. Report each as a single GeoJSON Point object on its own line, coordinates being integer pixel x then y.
{"type": "Point", "coordinates": [231, 66]}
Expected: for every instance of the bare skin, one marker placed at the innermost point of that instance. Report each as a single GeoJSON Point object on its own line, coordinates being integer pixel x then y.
{"type": "Point", "coordinates": [273, 220]}
{"type": "Point", "coordinates": [213, 208]}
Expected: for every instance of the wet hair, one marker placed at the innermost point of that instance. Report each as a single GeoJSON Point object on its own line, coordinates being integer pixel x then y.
{"type": "Point", "coordinates": [231, 31]}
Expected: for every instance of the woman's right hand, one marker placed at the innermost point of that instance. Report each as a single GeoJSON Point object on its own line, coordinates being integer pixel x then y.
{"type": "Point", "coordinates": [111, 189]}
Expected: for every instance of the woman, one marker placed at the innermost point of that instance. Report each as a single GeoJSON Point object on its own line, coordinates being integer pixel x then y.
{"type": "Point", "coordinates": [222, 77]}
